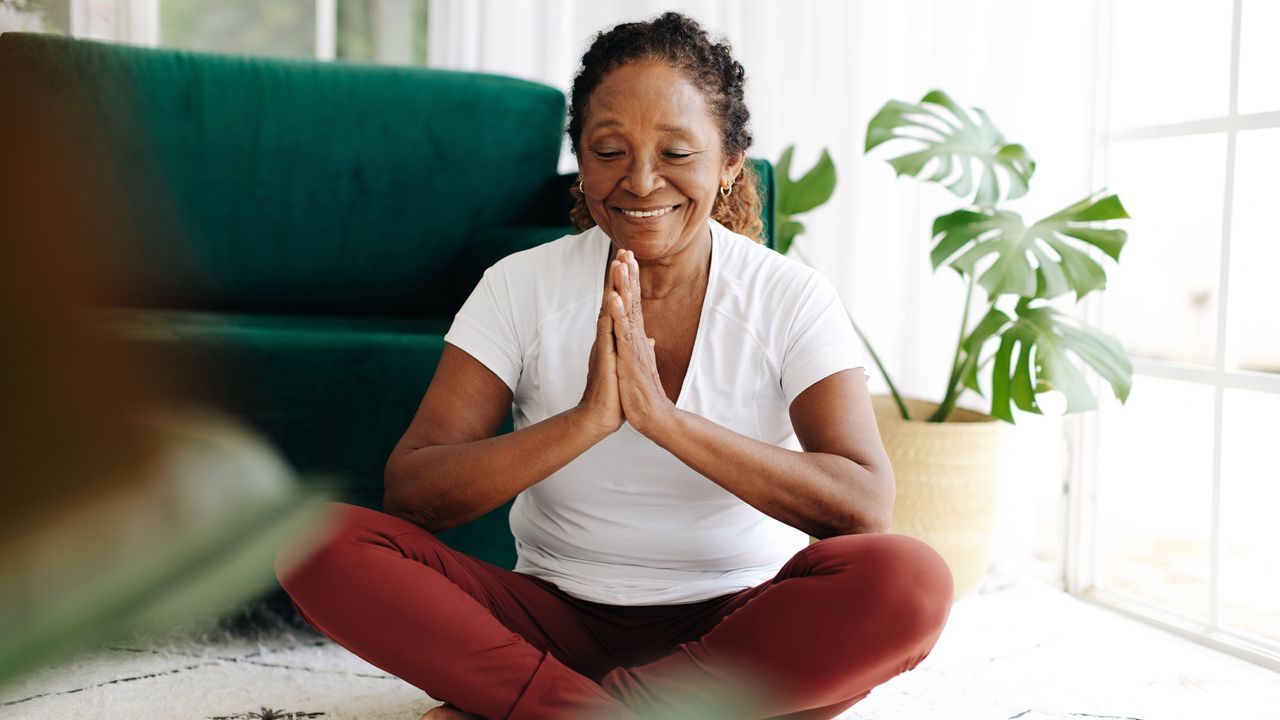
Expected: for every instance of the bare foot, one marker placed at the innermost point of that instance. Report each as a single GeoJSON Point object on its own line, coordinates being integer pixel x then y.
{"type": "Point", "coordinates": [449, 712]}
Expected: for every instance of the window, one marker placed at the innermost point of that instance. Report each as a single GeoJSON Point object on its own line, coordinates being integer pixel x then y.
{"type": "Point", "coordinates": [279, 27]}
{"type": "Point", "coordinates": [1178, 488]}
{"type": "Point", "coordinates": [368, 31]}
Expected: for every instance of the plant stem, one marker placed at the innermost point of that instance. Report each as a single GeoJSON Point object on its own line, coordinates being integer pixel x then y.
{"type": "Point", "coordinates": [893, 390]}
{"type": "Point", "coordinates": [948, 399]}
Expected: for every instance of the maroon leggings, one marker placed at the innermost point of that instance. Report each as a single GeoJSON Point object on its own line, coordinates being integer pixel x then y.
{"type": "Point", "coordinates": [842, 616]}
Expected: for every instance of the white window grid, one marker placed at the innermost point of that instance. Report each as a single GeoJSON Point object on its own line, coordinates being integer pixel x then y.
{"type": "Point", "coordinates": [138, 22]}
{"type": "Point", "coordinates": [1083, 551]}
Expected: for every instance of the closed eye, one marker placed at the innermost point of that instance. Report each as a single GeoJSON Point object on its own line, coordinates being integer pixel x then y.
{"type": "Point", "coordinates": [609, 154]}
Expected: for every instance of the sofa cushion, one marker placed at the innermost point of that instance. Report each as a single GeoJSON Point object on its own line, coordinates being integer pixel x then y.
{"type": "Point", "coordinates": [333, 393]}
{"type": "Point", "coordinates": [272, 185]}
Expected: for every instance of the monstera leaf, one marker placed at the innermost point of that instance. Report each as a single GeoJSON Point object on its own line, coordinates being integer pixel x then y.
{"type": "Point", "coordinates": [813, 188]}
{"type": "Point", "coordinates": [1058, 267]}
{"type": "Point", "coordinates": [956, 142]}
{"type": "Point", "coordinates": [1042, 338]}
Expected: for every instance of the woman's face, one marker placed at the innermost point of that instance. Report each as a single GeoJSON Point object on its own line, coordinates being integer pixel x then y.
{"type": "Point", "coordinates": [650, 145]}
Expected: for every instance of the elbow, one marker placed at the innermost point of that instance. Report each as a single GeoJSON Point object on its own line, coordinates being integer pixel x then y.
{"type": "Point", "coordinates": [396, 498]}
{"type": "Point", "coordinates": [869, 523]}
{"type": "Point", "coordinates": [888, 487]}
{"type": "Point", "coordinates": [875, 525]}
{"type": "Point", "coordinates": [876, 515]}
{"type": "Point", "coordinates": [394, 501]}
{"type": "Point", "coordinates": [390, 474]}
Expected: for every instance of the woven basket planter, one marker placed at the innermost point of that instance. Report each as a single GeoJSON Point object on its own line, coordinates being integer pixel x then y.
{"type": "Point", "coordinates": [946, 482]}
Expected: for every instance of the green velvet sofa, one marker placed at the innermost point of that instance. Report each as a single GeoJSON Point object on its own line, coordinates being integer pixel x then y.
{"type": "Point", "coordinates": [302, 233]}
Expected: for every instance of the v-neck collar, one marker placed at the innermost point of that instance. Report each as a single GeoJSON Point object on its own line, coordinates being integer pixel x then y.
{"type": "Point", "coordinates": [716, 250]}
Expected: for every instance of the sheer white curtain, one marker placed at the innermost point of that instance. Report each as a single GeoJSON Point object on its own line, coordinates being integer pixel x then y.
{"type": "Point", "coordinates": [817, 72]}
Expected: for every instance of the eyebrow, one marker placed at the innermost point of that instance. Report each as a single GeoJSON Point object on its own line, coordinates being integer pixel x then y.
{"type": "Point", "coordinates": [664, 128]}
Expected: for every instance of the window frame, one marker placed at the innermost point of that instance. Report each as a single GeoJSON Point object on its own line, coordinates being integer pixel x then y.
{"type": "Point", "coordinates": [137, 22]}
{"type": "Point", "coordinates": [1082, 546]}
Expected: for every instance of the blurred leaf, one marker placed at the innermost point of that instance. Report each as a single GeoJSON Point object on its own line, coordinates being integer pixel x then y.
{"type": "Point", "coordinates": [163, 578]}
{"type": "Point", "coordinates": [814, 188]}
{"type": "Point", "coordinates": [787, 232]}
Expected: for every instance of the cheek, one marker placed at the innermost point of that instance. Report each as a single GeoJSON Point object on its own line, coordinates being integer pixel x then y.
{"type": "Point", "coordinates": [701, 183]}
{"type": "Point", "coordinates": [598, 183]}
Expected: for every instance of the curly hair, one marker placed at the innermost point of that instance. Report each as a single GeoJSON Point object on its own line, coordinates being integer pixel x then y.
{"type": "Point", "coordinates": [682, 43]}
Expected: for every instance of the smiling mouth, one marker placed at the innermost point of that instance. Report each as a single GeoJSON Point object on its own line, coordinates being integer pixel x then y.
{"type": "Point", "coordinates": [656, 212]}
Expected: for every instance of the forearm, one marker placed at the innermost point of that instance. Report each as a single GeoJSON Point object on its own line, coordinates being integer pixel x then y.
{"type": "Point", "coordinates": [442, 486]}
{"type": "Point", "coordinates": [821, 493]}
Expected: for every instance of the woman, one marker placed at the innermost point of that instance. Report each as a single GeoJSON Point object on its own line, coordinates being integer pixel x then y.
{"type": "Point", "coordinates": [668, 468]}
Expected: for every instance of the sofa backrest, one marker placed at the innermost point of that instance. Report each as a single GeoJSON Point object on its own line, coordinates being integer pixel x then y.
{"type": "Point", "coordinates": [273, 185]}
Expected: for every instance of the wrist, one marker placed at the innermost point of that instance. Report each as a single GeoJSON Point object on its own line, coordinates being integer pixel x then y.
{"type": "Point", "coordinates": [584, 424]}
{"type": "Point", "coordinates": [660, 424]}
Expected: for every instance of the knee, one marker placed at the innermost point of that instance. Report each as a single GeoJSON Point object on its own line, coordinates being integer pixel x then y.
{"type": "Point", "coordinates": [340, 529]}
{"type": "Point", "coordinates": [901, 578]}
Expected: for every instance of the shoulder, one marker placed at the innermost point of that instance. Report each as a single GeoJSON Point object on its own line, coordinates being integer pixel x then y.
{"type": "Point", "coordinates": [541, 280]}
{"type": "Point", "coordinates": [764, 276]}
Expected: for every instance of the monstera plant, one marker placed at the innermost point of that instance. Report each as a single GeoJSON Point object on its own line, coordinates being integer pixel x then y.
{"type": "Point", "coordinates": [1019, 265]}
{"type": "Point", "coordinates": [801, 195]}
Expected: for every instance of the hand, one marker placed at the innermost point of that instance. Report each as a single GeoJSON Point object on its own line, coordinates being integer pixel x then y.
{"type": "Point", "coordinates": [600, 403]}
{"type": "Point", "coordinates": [644, 401]}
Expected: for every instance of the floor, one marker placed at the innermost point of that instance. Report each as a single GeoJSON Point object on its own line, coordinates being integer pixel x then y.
{"type": "Point", "coordinates": [1018, 648]}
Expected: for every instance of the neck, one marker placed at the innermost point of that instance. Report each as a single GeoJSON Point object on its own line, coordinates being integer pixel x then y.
{"type": "Point", "coordinates": [678, 274]}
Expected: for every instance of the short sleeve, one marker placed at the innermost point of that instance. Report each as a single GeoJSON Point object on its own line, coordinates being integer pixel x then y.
{"type": "Point", "coordinates": [820, 341]}
{"type": "Point", "coordinates": [486, 326]}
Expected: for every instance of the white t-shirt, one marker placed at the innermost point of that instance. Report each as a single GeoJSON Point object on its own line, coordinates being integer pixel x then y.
{"type": "Point", "coordinates": [626, 522]}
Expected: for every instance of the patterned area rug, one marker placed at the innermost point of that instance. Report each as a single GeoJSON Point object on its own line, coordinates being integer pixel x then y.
{"type": "Point", "coordinates": [1017, 648]}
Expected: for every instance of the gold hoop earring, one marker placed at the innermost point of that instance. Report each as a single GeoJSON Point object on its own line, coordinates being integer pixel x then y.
{"type": "Point", "coordinates": [580, 190]}
{"type": "Point", "coordinates": [725, 190]}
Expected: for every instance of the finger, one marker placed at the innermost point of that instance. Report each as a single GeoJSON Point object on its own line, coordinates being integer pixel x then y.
{"type": "Point", "coordinates": [604, 321]}
{"type": "Point", "coordinates": [634, 307]}
{"type": "Point", "coordinates": [619, 319]}
{"type": "Point", "coordinates": [621, 281]}
{"type": "Point", "coordinates": [635, 271]}
{"type": "Point", "coordinates": [610, 344]}
{"type": "Point", "coordinates": [621, 260]}
{"type": "Point", "coordinates": [620, 285]}
{"type": "Point", "coordinates": [633, 274]}
{"type": "Point", "coordinates": [604, 299]}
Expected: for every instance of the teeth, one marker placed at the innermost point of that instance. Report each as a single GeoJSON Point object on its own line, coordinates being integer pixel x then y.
{"type": "Point", "coordinates": [650, 213]}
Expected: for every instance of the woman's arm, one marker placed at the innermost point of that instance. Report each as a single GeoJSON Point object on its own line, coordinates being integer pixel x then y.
{"type": "Point", "coordinates": [841, 484]}
{"type": "Point", "coordinates": [450, 468]}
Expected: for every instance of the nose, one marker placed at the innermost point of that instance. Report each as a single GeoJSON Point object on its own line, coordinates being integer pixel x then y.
{"type": "Point", "coordinates": [642, 177]}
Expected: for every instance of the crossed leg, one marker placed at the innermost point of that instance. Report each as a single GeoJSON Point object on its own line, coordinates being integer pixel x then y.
{"type": "Point", "coordinates": [844, 615]}
{"type": "Point", "coordinates": [485, 639]}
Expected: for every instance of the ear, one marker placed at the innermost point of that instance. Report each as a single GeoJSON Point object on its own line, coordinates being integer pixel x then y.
{"type": "Point", "coordinates": [733, 166]}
